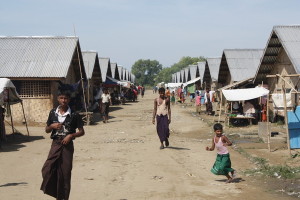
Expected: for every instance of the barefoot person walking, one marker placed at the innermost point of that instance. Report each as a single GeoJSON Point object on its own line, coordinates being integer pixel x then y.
{"type": "Point", "coordinates": [222, 164]}
{"type": "Point", "coordinates": [162, 113]}
{"type": "Point", "coordinates": [62, 123]}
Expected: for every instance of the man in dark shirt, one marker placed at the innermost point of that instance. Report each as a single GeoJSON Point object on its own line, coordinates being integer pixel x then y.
{"type": "Point", "coordinates": [62, 123]}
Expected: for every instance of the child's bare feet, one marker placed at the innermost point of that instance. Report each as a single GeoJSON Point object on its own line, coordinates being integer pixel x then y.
{"type": "Point", "coordinates": [233, 174]}
{"type": "Point", "coordinates": [229, 180]}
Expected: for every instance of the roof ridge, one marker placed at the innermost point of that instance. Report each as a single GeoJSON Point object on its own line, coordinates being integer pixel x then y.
{"type": "Point", "coordinates": [38, 37]}
{"type": "Point", "coordinates": [284, 26]}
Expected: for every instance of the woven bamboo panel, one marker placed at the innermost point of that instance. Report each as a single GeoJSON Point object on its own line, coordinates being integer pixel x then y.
{"type": "Point", "coordinates": [36, 111]}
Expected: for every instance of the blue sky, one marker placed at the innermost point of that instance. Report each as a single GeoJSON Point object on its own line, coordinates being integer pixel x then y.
{"type": "Point", "coordinates": [164, 30]}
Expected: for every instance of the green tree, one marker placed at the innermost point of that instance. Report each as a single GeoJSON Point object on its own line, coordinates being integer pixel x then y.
{"type": "Point", "coordinates": [165, 75]}
{"type": "Point", "coordinates": [145, 71]}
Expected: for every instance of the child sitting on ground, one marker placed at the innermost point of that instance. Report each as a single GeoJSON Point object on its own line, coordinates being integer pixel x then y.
{"type": "Point", "coordinates": [222, 164]}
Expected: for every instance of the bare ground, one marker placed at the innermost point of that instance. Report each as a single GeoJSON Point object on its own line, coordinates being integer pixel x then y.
{"type": "Point", "coordinates": [122, 160]}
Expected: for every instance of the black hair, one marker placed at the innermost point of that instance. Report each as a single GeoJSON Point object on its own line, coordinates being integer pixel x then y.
{"type": "Point", "coordinates": [161, 90]}
{"type": "Point", "coordinates": [64, 92]}
{"type": "Point", "coordinates": [218, 126]}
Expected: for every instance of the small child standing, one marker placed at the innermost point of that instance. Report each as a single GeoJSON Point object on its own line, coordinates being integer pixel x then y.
{"type": "Point", "coordinates": [222, 165]}
{"type": "Point", "coordinates": [173, 98]}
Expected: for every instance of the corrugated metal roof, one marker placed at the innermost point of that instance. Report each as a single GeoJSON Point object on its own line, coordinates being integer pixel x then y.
{"type": "Point", "coordinates": [187, 74]}
{"type": "Point", "coordinates": [89, 59]}
{"type": "Point", "coordinates": [36, 57]}
{"type": "Point", "coordinates": [125, 74]}
{"type": "Point", "coordinates": [179, 80]}
{"type": "Point", "coordinates": [286, 37]}
{"type": "Point", "coordinates": [201, 67]}
{"type": "Point", "coordinates": [120, 68]}
{"type": "Point", "coordinates": [193, 71]}
{"type": "Point", "coordinates": [214, 66]}
{"type": "Point", "coordinates": [104, 65]}
{"type": "Point", "coordinates": [240, 64]}
{"type": "Point", "coordinates": [114, 71]}
{"type": "Point", "coordinates": [182, 74]}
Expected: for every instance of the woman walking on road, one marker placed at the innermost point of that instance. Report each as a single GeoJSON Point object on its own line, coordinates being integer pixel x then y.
{"type": "Point", "coordinates": [162, 113]}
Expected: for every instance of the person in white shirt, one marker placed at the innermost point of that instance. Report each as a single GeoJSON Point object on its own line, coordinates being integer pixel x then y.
{"type": "Point", "coordinates": [105, 103]}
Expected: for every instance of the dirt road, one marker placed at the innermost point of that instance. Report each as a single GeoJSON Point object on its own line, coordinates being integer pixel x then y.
{"type": "Point", "coordinates": [122, 160]}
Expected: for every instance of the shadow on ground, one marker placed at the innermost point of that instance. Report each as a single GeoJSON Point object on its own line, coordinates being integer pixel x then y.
{"type": "Point", "coordinates": [16, 141]}
{"type": "Point", "coordinates": [13, 184]}
{"type": "Point", "coordinates": [178, 148]}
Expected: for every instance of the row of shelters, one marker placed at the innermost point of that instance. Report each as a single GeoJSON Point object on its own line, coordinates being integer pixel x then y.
{"type": "Point", "coordinates": [238, 67]}
{"type": "Point", "coordinates": [41, 65]}
{"type": "Point", "coordinates": [276, 67]}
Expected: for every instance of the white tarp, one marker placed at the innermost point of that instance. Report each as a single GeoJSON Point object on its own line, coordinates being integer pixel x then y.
{"type": "Point", "coordinates": [172, 86]}
{"type": "Point", "coordinates": [121, 83]}
{"type": "Point", "coordinates": [192, 81]}
{"type": "Point", "coordinates": [278, 101]}
{"type": "Point", "coordinates": [244, 94]}
{"type": "Point", "coordinates": [7, 89]}
{"type": "Point", "coordinates": [124, 84]}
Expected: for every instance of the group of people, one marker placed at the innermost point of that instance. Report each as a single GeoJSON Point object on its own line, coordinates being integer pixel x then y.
{"type": "Point", "coordinates": [249, 108]}
{"type": "Point", "coordinates": [65, 125]}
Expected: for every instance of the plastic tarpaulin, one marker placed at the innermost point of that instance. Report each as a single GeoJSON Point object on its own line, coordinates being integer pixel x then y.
{"type": "Point", "coordinates": [278, 101]}
{"type": "Point", "coordinates": [8, 89]}
{"type": "Point", "coordinates": [172, 86]}
{"type": "Point", "coordinates": [192, 81]}
{"type": "Point", "coordinates": [245, 94]}
{"type": "Point", "coordinates": [112, 81]}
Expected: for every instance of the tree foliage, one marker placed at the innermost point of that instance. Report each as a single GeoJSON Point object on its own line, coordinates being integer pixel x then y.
{"type": "Point", "coordinates": [145, 71]}
{"type": "Point", "coordinates": [165, 75]}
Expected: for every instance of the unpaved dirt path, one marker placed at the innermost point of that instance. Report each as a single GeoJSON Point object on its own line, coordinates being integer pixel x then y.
{"type": "Point", "coordinates": [122, 160]}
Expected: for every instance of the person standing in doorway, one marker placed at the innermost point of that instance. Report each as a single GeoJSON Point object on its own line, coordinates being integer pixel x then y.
{"type": "Point", "coordinates": [105, 103]}
{"type": "Point", "coordinates": [162, 114]}
{"type": "Point", "coordinates": [62, 123]}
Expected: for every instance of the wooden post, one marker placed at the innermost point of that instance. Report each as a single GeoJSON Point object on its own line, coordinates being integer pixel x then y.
{"type": "Point", "coordinates": [81, 76]}
{"type": "Point", "coordinates": [286, 117]}
{"type": "Point", "coordinates": [11, 118]}
{"type": "Point", "coordinates": [220, 111]}
{"type": "Point", "coordinates": [25, 118]}
{"type": "Point", "coordinates": [268, 123]}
